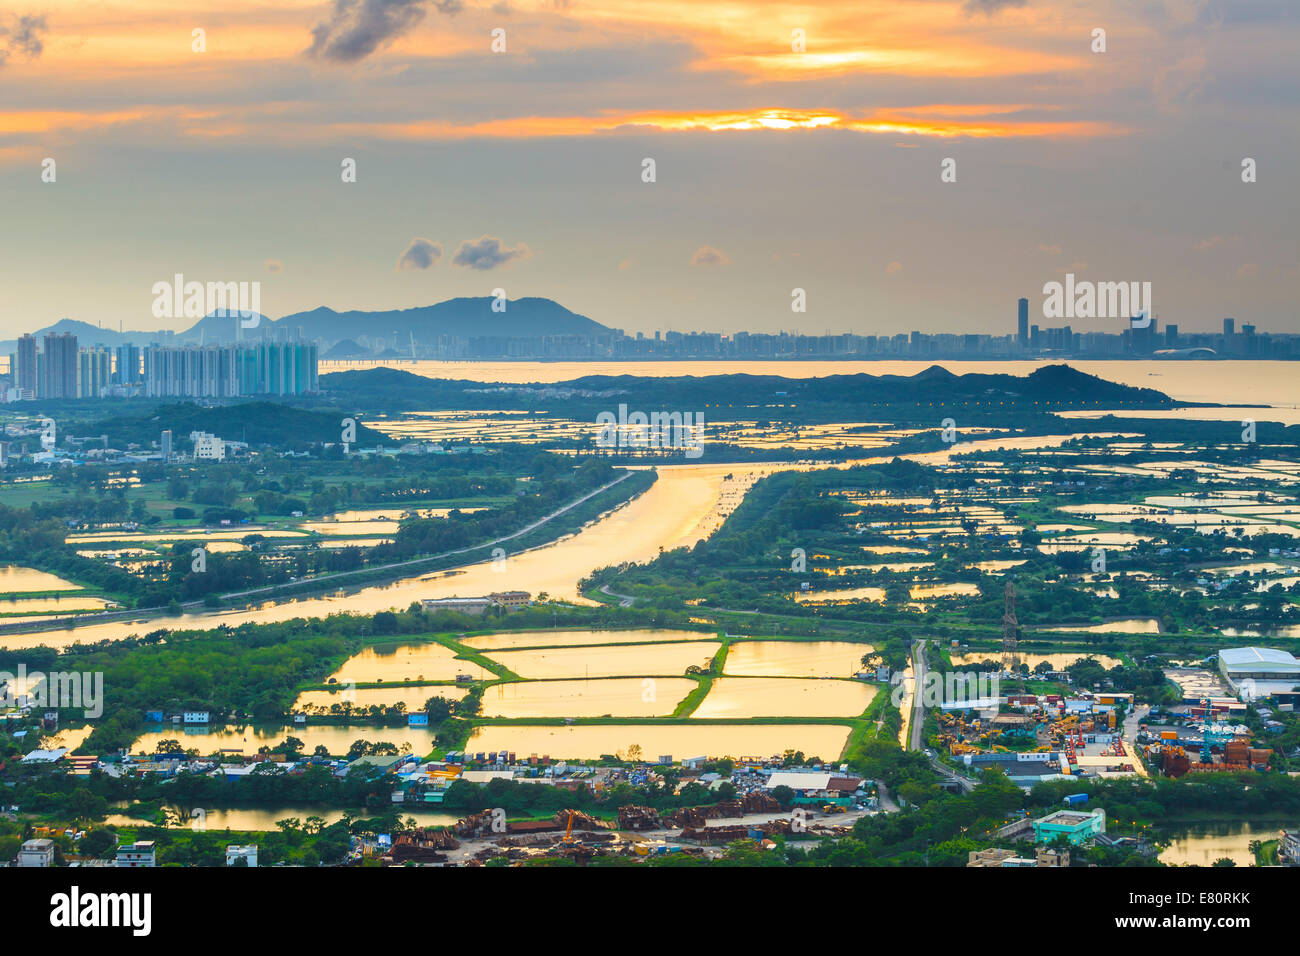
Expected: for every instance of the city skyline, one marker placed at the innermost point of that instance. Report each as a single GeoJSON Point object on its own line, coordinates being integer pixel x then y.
{"type": "Point", "coordinates": [273, 363]}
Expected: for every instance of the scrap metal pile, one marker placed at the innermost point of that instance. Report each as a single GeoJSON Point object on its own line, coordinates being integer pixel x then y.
{"type": "Point", "coordinates": [480, 824]}
{"type": "Point", "coordinates": [753, 802]}
{"type": "Point", "coordinates": [474, 825]}
{"type": "Point", "coordinates": [639, 818]}
{"type": "Point", "coordinates": [718, 835]}
{"type": "Point", "coordinates": [422, 846]}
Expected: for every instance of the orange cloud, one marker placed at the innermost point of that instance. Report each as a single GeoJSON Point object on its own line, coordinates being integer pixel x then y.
{"type": "Point", "coordinates": [921, 121]}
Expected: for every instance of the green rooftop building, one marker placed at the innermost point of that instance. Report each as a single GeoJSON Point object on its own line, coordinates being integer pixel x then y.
{"type": "Point", "coordinates": [1075, 826]}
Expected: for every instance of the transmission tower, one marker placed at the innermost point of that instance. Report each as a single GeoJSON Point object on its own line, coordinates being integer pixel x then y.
{"type": "Point", "coordinates": [1010, 656]}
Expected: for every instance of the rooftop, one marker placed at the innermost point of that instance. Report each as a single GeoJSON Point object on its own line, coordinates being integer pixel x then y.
{"type": "Point", "coordinates": [1253, 658]}
{"type": "Point", "coordinates": [1066, 818]}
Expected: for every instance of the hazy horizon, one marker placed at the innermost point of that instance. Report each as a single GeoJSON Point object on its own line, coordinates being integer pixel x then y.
{"type": "Point", "coordinates": [774, 169]}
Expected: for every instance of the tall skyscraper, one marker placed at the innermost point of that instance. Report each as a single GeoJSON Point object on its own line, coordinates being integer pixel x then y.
{"type": "Point", "coordinates": [127, 365]}
{"type": "Point", "coordinates": [25, 363]}
{"type": "Point", "coordinates": [60, 367]}
{"type": "Point", "coordinates": [227, 371]}
{"type": "Point", "coordinates": [93, 372]}
{"type": "Point", "coordinates": [1022, 325]}
{"type": "Point", "coordinates": [1229, 328]}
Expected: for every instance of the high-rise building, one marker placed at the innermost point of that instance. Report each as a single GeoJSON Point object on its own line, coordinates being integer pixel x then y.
{"type": "Point", "coordinates": [59, 366]}
{"type": "Point", "coordinates": [1171, 335]}
{"type": "Point", "coordinates": [126, 369]}
{"type": "Point", "coordinates": [1022, 324]}
{"type": "Point", "coordinates": [228, 371]}
{"type": "Point", "coordinates": [24, 364]}
{"type": "Point", "coordinates": [167, 444]}
{"type": "Point", "coordinates": [1229, 328]}
{"type": "Point", "coordinates": [93, 372]}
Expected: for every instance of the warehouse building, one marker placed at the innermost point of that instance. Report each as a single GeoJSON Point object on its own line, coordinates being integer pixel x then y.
{"type": "Point", "coordinates": [1259, 671]}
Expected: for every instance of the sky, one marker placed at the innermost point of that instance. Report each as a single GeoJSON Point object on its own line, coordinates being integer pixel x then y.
{"type": "Point", "coordinates": [794, 146]}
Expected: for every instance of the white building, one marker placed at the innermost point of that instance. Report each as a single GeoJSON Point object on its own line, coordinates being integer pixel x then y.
{"type": "Point", "coordinates": [1259, 671]}
{"type": "Point", "coordinates": [246, 853]}
{"type": "Point", "coordinates": [208, 447]}
{"type": "Point", "coordinates": [139, 853]}
{"type": "Point", "coordinates": [195, 717]}
{"type": "Point", "coordinates": [36, 853]}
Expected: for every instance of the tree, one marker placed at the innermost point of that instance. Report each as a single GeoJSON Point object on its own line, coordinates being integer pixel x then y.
{"type": "Point", "coordinates": [98, 843]}
{"type": "Point", "coordinates": [438, 708]}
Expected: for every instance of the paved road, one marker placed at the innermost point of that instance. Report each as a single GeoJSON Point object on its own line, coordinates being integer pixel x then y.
{"type": "Point", "coordinates": [623, 599]}
{"type": "Point", "coordinates": [1130, 735]}
{"type": "Point", "coordinates": [966, 783]}
{"type": "Point", "coordinates": [917, 719]}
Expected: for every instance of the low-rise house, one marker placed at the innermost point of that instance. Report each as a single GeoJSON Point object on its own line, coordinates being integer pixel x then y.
{"type": "Point", "coordinates": [1288, 848]}
{"type": "Point", "coordinates": [510, 599]}
{"type": "Point", "coordinates": [36, 853]}
{"type": "Point", "coordinates": [137, 854]}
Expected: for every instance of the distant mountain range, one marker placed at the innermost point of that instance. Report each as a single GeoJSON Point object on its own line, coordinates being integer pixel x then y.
{"type": "Point", "coordinates": [370, 333]}
{"type": "Point", "coordinates": [1051, 386]}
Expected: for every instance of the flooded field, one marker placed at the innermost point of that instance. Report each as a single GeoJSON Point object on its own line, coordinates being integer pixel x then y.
{"type": "Point", "coordinates": [1202, 845]}
{"type": "Point", "coordinates": [687, 503]}
{"type": "Point", "coordinates": [735, 697]}
{"type": "Point", "coordinates": [1057, 661]}
{"type": "Point", "coordinates": [637, 661]}
{"type": "Point", "coordinates": [950, 589]}
{"type": "Point", "coordinates": [1287, 630]}
{"type": "Point", "coordinates": [247, 739]}
{"type": "Point", "coordinates": [581, 638]}
{"type": "Point", "coordinates": [71, 738]}
{"type": "Point", "coordinates": [844, 594]}
{"type": "Point", "coordinates": [612, 697]}
{"type": "Point", "coordinates": [795, 659]}
{"type": "Point", "coordinates": [997, 567]}
{"type": "Point", "coordinates": [18, 580]}
{"type": "Point", "coordinates": [1132, 625]}
{"type": "Point", "coordinates": [680, 740]}
{"type": "Point", "coordinates": [398, 662]}
{"type": "Point", "coordinates": [361, 697]}
{"type": "Point", "coordinates": [69, 603]}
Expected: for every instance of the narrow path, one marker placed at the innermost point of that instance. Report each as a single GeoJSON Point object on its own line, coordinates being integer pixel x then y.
{"type": "Point", "coordinates": [623, 599]}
